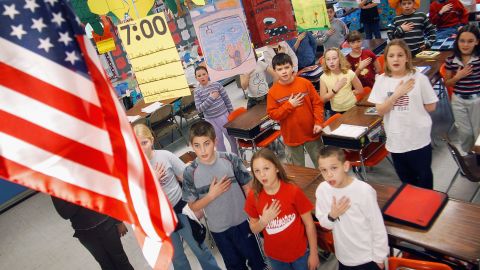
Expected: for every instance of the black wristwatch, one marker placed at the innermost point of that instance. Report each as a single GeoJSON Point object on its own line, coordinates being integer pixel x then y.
{"type": "Point", "coordinates": [331, 218]}
{"type": "Point", "coordinates": [334, 91]}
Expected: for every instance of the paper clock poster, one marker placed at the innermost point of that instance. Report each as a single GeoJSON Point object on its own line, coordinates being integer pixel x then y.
{"type": "Point", "coordinates": [154, 58]}
{"type": "Point", "coordinates": [224, 39]}
{"type": "Point", "coordinates": [269, 21]}
{"type": "Point", "coordinates": [311, 15]}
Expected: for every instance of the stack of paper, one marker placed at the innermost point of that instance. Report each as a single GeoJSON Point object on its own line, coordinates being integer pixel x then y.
{"type": "Point", "coordinates": [350, 131]}
{"type": "Point", "coordinates": [152, 107]}
{"type": "Point", "coordinates": [132, 119]}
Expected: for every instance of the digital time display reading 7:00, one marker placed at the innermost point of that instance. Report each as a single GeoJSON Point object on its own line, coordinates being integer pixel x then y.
{"type": "Point", "coordinates": [147, 28]}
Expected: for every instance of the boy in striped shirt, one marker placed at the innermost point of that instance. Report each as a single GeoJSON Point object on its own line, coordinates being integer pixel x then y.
{"type": "Point", "coordinates": [413, 27]}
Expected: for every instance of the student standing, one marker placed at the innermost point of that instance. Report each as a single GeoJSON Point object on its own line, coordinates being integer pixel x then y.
{"type": "Point", "coordinates": [255, 83]}
{"type": "Point", "coordinates": [274, 49]}
{"type": "Point", "coordinates": [168, 170]}
{"type": "Point", "coordinates": [448, 16]}
{"type": "Point", "coordinates": [413, 27]}
{"type": "Point", "coordinates": [362, 61]}
{"type": "Point", "coordinates": [370, 19]}
{"type": "Point", "coordinates": [463, 73]}
{"type": "Point", "coordinates": [212, 100]}
{"type": "Point", "coordinates": [349, 208]}
{"type": "Point", "coordinates": [294, 102]}
{"type": "Point", "coordinates": [216, 182]}
{"type": "Point", "coordinates": [404, 97]}
{"type": "Point", "coordinates": [305, 48]}
{"type": "Point", "coordinates": [280, 209]}
{"type": "Point", "coordinates": [335, 36]}
{"type": "Point", "coordinates": [337, 81]}
{"type": "Point", "coordinates": [98, 233]}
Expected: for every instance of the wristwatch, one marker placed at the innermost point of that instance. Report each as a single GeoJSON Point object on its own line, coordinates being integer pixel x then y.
{"type": "Point", "coordinates": [334, 91]}
{"type": "Point", "coordinates": [331, 218]}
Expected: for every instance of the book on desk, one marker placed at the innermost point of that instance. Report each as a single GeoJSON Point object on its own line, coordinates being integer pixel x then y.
{"type": "Point", "coordinates": [352, 136]}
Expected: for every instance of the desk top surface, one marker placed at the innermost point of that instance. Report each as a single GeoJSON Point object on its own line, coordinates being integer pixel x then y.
{"type": "Point", "coordinates": [250, 119]}
{"type": "Point", "coordinates": [355, 116]}
{"type": "Point", "coordinates": [456, 232]}
{"type": "Point", "coordinates": [373, 44]}
{"type": "Point", "coordinates": [137, 108]}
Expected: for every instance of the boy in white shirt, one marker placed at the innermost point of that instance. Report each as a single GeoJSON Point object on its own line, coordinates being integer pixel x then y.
{"type": "Point", "coordinates": [349, 208]}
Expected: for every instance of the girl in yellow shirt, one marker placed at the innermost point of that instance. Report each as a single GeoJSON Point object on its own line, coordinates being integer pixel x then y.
{"type": "Point", "coordinates": [338, 80]}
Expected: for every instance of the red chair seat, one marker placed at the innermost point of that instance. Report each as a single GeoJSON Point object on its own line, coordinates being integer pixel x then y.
{"type": "Point", "coordinates": [372, 160]}
{"type": "Point", "coordinates": [269, 139]}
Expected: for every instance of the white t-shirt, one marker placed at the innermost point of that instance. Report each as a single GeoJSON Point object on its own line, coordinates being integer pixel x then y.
{"type": "Point", "coordinates": [257, 85]}
{"type": "Point", "coordinates": [359, 234]}
{"type": "Point", "coordinates": [408, 124]}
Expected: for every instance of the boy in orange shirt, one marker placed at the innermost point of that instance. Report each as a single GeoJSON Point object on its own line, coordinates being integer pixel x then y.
{"type": "Point", "coordinates": [294, 102]}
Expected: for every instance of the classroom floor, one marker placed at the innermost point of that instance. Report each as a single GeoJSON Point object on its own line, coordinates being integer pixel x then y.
{"type": "Point", "coordinates": [33, 236]}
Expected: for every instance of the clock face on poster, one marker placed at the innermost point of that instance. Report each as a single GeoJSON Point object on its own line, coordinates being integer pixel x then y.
{"type": "Point", "coordinates": [144, 28]}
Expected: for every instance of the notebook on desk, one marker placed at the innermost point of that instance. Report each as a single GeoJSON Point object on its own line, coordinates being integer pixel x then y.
{"type": "Point", "coordinates": [415, 206]}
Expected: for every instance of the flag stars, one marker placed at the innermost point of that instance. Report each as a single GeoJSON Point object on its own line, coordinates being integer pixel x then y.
{"type": "Point", "coordinates": [31, 5]}
{"type": "Point", "coordinates": [10, 11]}
{"type": "Point", "coordinates": [65, 38]}
{"type": "Point", "coordinates": [71, 57]}
{"type": "Point", "coordinates": [57, 18]}
{"type": "Point", "coordinates": [38, 24]}
{"type": "Point", "coordinates": [18, 31]}
{"type": "Point", "coordinates": [45, 44]}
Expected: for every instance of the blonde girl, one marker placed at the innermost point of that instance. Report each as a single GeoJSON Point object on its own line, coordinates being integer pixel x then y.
{"type": "Point", "coordinates": [280, 210]}
{"type": "Point", "coordinates": [404, 97]}
{"type": "Point", "coordinates": [337, 81]}
{"type": "Point", "coordinates": [168, 170]}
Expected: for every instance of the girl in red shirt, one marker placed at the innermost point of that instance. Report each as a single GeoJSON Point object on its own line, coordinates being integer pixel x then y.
{"type": "Point", "coordinates": [280, 209]}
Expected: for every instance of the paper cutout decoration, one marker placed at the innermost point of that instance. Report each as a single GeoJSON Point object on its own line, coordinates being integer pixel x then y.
{"type": "Point", "coordinates": [134, 9]}
{"type": "Point", "coordinates": [311, 15]}
{"type": "Point", "coordinates": [269, 21]}
{"type": "Point", "coordinates": [105, 43]}
{"type": "Point", "coordinates": [154, 58]}
{"type": "Point", "coordinates": [224, 39]}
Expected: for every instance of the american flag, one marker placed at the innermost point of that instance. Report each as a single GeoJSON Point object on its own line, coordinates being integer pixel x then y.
{"type": "Point", "coordinates": [63, 131]}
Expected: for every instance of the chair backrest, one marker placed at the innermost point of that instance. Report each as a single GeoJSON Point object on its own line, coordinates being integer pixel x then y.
{"type": "Point", "coordinates": [320, 60]}
{"type": "Point", "coordinates": [331, 119]}
{"type": "Point", "coordinates": [401, 263]}
{"type": "Point", "coordinates": [162, 114]}
{"type": "Point", "coordinates": [462, 164]}
{"type": "Point", "coordinates": [443, 74]}
{"type": "Point", "coordinates": [366, 92]}
{"type": "Point", "coordinates": [236, 113]}
{"type": "Point", "coordinates": [187, 101]}
{"type": "Point", "coordinates": [381, 61]}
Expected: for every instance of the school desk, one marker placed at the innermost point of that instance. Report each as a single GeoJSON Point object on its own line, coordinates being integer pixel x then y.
{"type": "Point", "coordinates": [455, 233]}
{"type": "Point", "coordinates": [366, 144]}
{"type": "Point", "coordinates": [251, 124]}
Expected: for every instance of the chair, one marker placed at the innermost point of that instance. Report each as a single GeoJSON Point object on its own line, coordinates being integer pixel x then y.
{"type": "Point", "coordinates": [467, 166]}
{"type": "Point", "coordinates": [188, 111]}
{"type": "Point", "coordinates": [443, 74]}
{"type": "Point", "coordinates": [366, 92]}
{"type": "Point", "coordinates": [163, 123]}
{"type": "Point", "coordinates": [262, 141]}
{"type": "Point", "coordinates": [324, 239]}
{"type": "Point", "coordinates": [402, 263]}
{"type": "Point", "coordinates": [369, 156]}
{"type": "Point", "coordinates": [381, 61]}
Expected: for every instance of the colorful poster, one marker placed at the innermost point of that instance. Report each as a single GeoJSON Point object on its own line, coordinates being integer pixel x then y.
{"type": "Point", "coordinates": [154, 58]}
{"type": "Point", "coordinates": [225, 43]}
{"type": "Point", "coordinates": [267, 24]}
{"type": "Point", "coordinates": [121, 9]}
{"type": "Point", "coordinates": [311, 15]}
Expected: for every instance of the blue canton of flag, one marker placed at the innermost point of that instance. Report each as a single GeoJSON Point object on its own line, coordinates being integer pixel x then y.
{"type": "Point", "coordinates": [44, 29]}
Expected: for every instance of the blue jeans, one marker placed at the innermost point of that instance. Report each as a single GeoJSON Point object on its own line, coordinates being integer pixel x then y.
{"type": "Point", "coordinates": [299, 264]}
{"type": "Point", "coordinates": [203, 254]}
{"type": "Point", "coordinates": [443, 33]}
{"type": "Point", "coordinates": [237, 245]}
{"type": "Point", "coordinates": [372, 28]}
